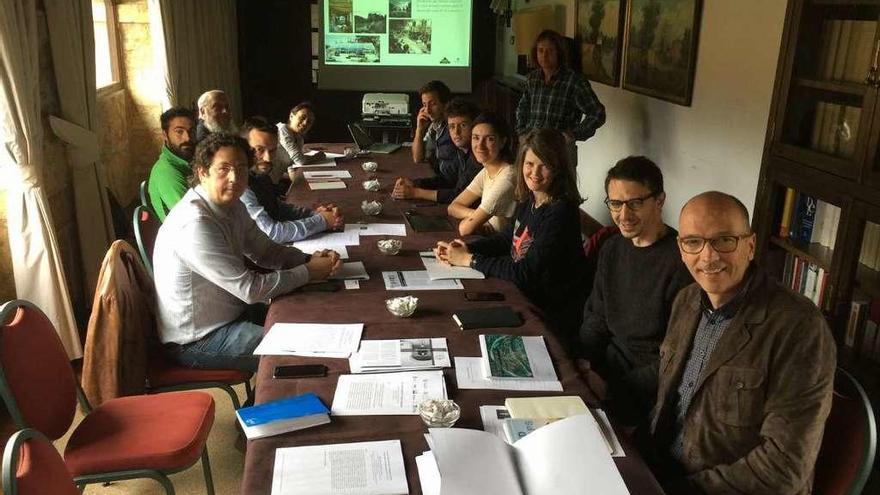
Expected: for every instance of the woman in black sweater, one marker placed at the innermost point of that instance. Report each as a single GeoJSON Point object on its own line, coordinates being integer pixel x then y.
{"type": "Point", "coordinates": [541, 251]}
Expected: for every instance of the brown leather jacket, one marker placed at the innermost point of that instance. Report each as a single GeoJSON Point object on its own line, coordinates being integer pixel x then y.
{"type": "Point", "coordinates": [756, 420]}
{"type": "Point", "coordinates": [121, 327]}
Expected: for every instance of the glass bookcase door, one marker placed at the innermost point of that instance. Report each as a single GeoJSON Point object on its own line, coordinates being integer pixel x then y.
{"type": "Point", "coordinates": [831, 86]}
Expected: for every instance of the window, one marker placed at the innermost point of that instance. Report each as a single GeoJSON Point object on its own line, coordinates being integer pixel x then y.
{"type": "Point", "coordinates": [106, 60]}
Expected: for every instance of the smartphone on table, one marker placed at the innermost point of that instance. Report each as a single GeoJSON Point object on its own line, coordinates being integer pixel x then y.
{"type": "Point", "coordinates": [300, 371]}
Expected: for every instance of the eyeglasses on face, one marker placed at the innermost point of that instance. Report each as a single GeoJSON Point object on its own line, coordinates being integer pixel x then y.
{"type": "Point", "coordinates": [721, 244]}
{"type": "Point", "coordinates": [633, 204]}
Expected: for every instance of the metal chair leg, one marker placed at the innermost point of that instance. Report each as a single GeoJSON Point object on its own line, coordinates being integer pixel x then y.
{"type": "Point", "coordinates": [206, 467]}
{"type": "Point", "coordinates": [236, 404]}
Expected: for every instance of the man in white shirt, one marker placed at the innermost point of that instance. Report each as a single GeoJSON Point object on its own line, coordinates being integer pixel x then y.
{"type": "Point", "coordinates": [282, 222]}
{"type": "Point", "coordinates": [209, 301]}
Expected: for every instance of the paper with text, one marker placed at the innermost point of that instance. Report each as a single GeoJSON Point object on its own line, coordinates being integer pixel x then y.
{"type": "Point", "coordinates": [492, 417]}
{"type": "Point", "coordinates": [439, 271]}
{"type": "Point", "coordinates": [469, 375]}
{"type": "Point", "coordinates": [417, 280]}
{"type": "Point", "coordinates": [384, 356]}
{"type": "Point", "coordinates": [396, 229]}
{"type": "Point", "coordinates": [327, 174]}
{"type": "Point", "coordinates": [363, 468]}
{"type": "Point", "coordinates": [311, 339]}
{"type": "Point", "coordinates": [386, 393]}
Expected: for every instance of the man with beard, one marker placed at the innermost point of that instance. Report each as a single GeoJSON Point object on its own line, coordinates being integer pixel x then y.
{"type": "Point", "coordinates": [637, 278]}
{"type": "Point", "coordinates": [282, 222]}
{"type": "Point", "coordinates": [214, 114]}
{"type": "Point", "coordinates": [169, 177]}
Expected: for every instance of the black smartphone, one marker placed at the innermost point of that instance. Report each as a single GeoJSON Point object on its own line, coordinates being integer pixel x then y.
{"type": "Point", "coordinates": [484, 296]}
{"type": "Point", "coordinates": [300, 371]}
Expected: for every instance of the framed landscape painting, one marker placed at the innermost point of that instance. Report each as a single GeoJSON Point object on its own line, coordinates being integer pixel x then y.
{"type": "Point", "coordinates": [599, 29]}
{"type": "Point", "coordinates": [661, 48]}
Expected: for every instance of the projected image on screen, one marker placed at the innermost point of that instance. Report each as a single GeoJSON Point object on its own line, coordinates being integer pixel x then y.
{"type": "Point", "coordinates": [415, 33]}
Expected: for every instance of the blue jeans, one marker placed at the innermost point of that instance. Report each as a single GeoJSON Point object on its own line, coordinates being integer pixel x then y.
{"type": "Point", "coordinates": [228, 347]}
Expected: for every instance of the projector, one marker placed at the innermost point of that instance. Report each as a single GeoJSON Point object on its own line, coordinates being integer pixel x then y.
{"type": "Point", "coordinates": [385, 107]}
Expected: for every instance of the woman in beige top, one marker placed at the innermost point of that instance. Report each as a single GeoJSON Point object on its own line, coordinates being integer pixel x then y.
{"type": "Point", "coordinates": [493, 186]}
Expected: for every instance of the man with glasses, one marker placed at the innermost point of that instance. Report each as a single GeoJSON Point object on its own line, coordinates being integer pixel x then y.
{"type": "Point", "coordinates": [637, 277]}
{"type": "Point", "coordinates": [746, 368]}
{"type": "Point", "coordinates": [211, 305]}
{"type": "Point", "coordinates": [458, 166]}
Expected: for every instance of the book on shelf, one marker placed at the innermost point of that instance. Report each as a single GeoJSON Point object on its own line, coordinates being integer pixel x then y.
{"type": "Point", "coordinates": [863, 327]}
{"type": "Point", "coordinates": [858, 312]}
{"type": "Point", "coordinates": [806, 278]}
{"type": "Point", "coordinates": [787, 209]}
{"type": "Point", "coordinates": [869, 255]}
{"type": "Point", "coordinates": [807, 220]}
{"type": "Point", "coordinates": [846, 50]}
{"type": "Point", "coordinates": [561, 458]}
{"type": "Point", "coordinates": [282, 416]}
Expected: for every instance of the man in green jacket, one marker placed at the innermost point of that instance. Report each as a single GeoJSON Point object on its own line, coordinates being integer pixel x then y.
{"type": "Point", "coordinates": [169, 178]}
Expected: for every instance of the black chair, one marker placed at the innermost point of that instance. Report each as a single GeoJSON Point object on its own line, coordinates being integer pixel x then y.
{"type": "Point", "coordinates": [850, 441]}
{"type": "Point", "coordinates": [146, 227]}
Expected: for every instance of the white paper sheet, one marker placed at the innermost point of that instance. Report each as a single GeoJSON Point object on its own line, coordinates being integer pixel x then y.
{"type": "Point", "coordinates": [353, 270]}
{"type": "Point", "coordinates": [396, 229]}
{"type": "Point", "coordinates": [492, 417]}
{"type": "Point", "coordinates": [385, 356]}
{"type": "Point", "coordinates": [386, 393]}
{"type": "Point", "coordinates": [326, 184]}
{"type": "Point", "coordinates": [364, 468]}
{"type": "Point", "coordinates": [327, 240]}
{"type": "Point", "coordinates": [429, 473]}
{"type": "Point", "coordinates": [327, 174]}
{"type": "Point", "coordinates": [439, 271]}
{"type": "Point", "coordinates": [417, 280]}
{"type": "Point", "coordinates": [352, 284]}
{"type": "Point", "coordinates": [469, 375]}
{"type": "Point", "coordinates": [311, 339]}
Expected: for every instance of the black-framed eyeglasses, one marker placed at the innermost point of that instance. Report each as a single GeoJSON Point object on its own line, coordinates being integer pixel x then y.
{"type": "Point", "coordinates": [721, 244]}
{"type": "Point", "coordinates": [634, 204]}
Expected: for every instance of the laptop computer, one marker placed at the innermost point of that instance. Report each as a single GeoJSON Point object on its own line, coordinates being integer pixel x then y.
{"type": "Point", "coordinates": [365, 143]}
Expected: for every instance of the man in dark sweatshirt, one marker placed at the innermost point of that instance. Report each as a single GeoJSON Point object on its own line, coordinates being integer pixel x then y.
{"type": "Point", "coordinates": [638, 276]}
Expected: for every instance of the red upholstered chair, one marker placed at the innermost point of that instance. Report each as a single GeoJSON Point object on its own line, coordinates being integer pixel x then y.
{"type": "Point", "coordinates": [850, 440]}
{"type": "Point", "coordinates": [32, 466]}
{"type": "Point", "coordinates": [141, 436]}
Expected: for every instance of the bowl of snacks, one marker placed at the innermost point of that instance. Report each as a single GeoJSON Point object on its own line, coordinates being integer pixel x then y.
{"type": "Point", "coordinates": [372, 208]}
{"type": "Point", "coordinates": [403, 307]}
{"type": "Point", "coordinates": [370, 166]}
{"type": "Point", "coordinates": [371, 185]}
{"type": "Point", "coordinates": [439, 413]}
{"type": "Point", "coordinates": [389, 247]}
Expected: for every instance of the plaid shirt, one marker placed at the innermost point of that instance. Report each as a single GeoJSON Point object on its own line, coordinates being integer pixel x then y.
{"type": "Point", "coordinates": [567, 104]}
{"type": "Point", "coordinates": [712, 325]}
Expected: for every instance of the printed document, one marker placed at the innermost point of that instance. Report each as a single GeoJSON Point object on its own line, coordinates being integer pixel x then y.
{"type": "Point", "coordinates": [382, 356]}
{"type": "Point", "coordinates": [327, 174]}
{"type": "Point", "coordinates": [417, 280]}
{"type": "Point", "coordinates": [317, 185]}
{"type": "Point", "coordinates": [311, 339]}
{"type": "Point", "coordinates": [386, 393]}
{"type": "Point", "coordinates": [429, 473]}
{"type": "Point", "coordinates": [327, 240]}
{"type": "Point", "coordinates": [469, 374]}
{"type": "Point", "coordinates": [439, 271]}
{"type": "Point", "coordinates": [353, 270]}
{"type": "Point", "coordinates": [492, 417]}
{"type": "Point", "coordinates": [397, 229]}
{"type": "Point", "coordinates": [363, 468]}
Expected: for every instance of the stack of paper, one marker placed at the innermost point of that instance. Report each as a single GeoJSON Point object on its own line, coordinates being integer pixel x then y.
{"type": "Point", "coordinates": [282, 416]}
{"type": "Point", "coordinates": [383, 356]}
{"type": "Point", "coordinates": [469, 375]}
{"type": "Point", "coordinates": [439, 271]}
{"type": "Point", "coordinates": [354, 270]}
{"type": "Point", "coordinates": [327, 174]}
{"type": "Point", "coordinates": [395, 229]}
{"type": "Point", "coordinates": [516, 357]}
{"type": "Point", "coordinates": [386, 393]}
{"type": "Point", "coordinates": [328, 240]}
{"type": "Point", "coordinates": [561, 458]}
{"type": "Point", "coordinates": [365, 468]}
{"type": "Point", "coordinates": [311, 339]}
{"type": "Point", "coordinates": [329, 162]}
{"type": "Point", "coordinates": [417, 280]}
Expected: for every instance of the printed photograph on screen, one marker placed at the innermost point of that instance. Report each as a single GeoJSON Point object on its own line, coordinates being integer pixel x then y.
{"type": "Point", "coordinates": [369, 22]}
{"type": "Point", "coordinates": [352, 49]}
{"type": "Point", "coordinates": [400, 8]}
{"type": "Point", "coordinates": [411, 36]}
{"type": "Point", "coordinates": [340, 16]}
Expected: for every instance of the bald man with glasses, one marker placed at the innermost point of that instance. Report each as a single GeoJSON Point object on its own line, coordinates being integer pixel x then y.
{"type": "Point", "coordinates": [746, 368]}
{"type": "Point", "coordinates": [638, 275]}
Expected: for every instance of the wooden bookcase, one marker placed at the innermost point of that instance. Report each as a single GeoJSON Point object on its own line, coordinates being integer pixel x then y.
{"type": "Point", "coordinates": [823, 140]}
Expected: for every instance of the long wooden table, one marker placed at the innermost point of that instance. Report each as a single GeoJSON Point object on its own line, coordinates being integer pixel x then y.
{"type": "Point", "coordinates": [432, 319]}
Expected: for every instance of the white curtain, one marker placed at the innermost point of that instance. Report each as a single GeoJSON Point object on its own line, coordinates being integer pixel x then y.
{"type": "Point", "coordinates": [198, 42]}
{"type": "Point", "coordinates": [39, 275]}
{"type": "Point", "coordinates": [71, 36]}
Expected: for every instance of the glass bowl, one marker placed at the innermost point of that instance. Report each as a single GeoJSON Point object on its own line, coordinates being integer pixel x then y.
{"type": "Point", "coordinates": [371, 185]}
{"type": "Point", "coordinates": [403, 307]}
{"type": "Point", "coordinates": [370, 166]}
{"type": "Point", "coordinates": [371, 207]}
{"type": "Point", "coordinates": [439, 413]}
{"type": "Point", "coordinates": [389, 247]}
